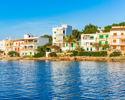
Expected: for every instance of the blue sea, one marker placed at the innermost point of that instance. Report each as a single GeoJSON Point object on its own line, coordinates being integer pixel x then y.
{"type": "Point", "coordinates": [62, 80]}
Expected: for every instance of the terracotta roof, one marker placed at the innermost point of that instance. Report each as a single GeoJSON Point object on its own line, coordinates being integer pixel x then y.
{"type": "Point", "coordinates": [102, 29]}
{"type": "Point", "coordinates": [117, 29]}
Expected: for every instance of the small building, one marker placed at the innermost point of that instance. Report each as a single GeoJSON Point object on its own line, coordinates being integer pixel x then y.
{"type": "Point", "coordinates": [2, 46]}
{"type": "Point", "coordinates": [87, 40]}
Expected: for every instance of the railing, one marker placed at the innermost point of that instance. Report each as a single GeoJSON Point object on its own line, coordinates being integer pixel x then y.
{"type": "Point", "coordinates": [27, 43]}
{"type": "Point", "coordinates": [27, 49]}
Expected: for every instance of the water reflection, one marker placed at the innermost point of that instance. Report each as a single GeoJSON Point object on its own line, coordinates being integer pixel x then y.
{"type": "Point", "coordinates": [66, 80]}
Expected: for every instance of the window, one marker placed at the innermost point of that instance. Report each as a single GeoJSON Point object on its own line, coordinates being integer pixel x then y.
{"type": "Point", "coordinates": [83, 37]}
{"type": "Point", "coordinates": [101, 36]}
{"type": "Point", "coordinates": [55, 32]}
{"type": "Point", "coordinates": [91, 37]}
{"type": "Point", "coordinates": [100, 42]}
{"type": "Point", "coordinates": [30, 53]}
{"type": "Point", "coordinates": [106, 42]}
{"type": "Point", "coordinates": [66, 44]}
{"type": "Point", "coordinates": [87, 49]}
{"type": "Point", "coordinates": [107, 36]}
{"type": "Point", "coordinates": [115, 34]}
{"type": "Point", "coordinates": [90, 43]}
{"type": "Point", "coordinates": [114, 41]}
{"type": "Point", "coordinates": [114, 47]}
{"type": "Point", "coordinates": [122, 33]}
{"type": "Point", "coordinates": [16, 43]}
{"type": "Point", "coordinates": [54, 37]}
{"type": "Point", "coordinates": [63, 31]}
{"type": "Point", "coordinates": [123, 40]}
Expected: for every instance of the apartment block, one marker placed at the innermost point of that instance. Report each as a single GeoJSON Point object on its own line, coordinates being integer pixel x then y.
{"type": "Point", "coordinates": [59, 34]}
{"type": "Point", "coordinates": [87, 40]}
{"type": "Point", "coordinates": [117, 38]}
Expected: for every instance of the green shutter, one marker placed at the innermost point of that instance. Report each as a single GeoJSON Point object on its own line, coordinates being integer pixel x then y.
{"type": "Point", "coordinates": [25, 54]}
{"type": "Point", "coordinates": [106, 42]}
{"type": "Point", "coordinates": [91, 37]}
{"type": "Point", "coordinates": [101, 36]}
{"type": "Point", "coordinates": [83, 37]}
{"type": "Point", "coordinates": [54, 37]}
{"type": "Point", "coordinates": [34, 52]}
{"type": "Point", "coordinates": [30, 53]}
{"type": "Point", "coordinates": [71, 44]}
{"type": "Point", "coordinates": [100, 42]}
{"type": "Point", "coordinates": [63, 31]}
{"type": "Point", "coordinates": [91, 49]}
{"type": "Point", "coordinates": [55, 32]}
{"type": "Point", "coordinates": [87, 49]}
{"type": "Point", "coordinates": [7, 44]}
{"type": "Point", "coordinates": [66, 44]}
{"type": "Point", "coordinates": [107, 36]}
{"type": "Point", "coordinates": [102, 48]}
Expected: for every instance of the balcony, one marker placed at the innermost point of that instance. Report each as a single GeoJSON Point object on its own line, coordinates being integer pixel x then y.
{"type": "Point", "coordinates": [27, 43]}
{"type": "Point", "coordinates": [31, 49]}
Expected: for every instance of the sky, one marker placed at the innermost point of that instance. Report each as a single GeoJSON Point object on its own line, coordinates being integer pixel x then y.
{"type": "Point", "coordinates": [38, 17]}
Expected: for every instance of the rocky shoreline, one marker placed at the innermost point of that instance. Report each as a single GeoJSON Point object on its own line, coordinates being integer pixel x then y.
{"type": "Point", "coordinates": [76, 58]}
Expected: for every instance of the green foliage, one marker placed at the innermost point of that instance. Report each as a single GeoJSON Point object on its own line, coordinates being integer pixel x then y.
{"type": "Point", "coordinates": [17, 54]}
{"type": "Point", "coordinates": [81, 53]}
{"type": "Point", "coordinates": [69, 39]}
{"type": "Point", "coordinates": [96, 45]}
{"type": "Point", "coordinates": [53, 54]}
{"type": "Point", "coordinates": [75, 53]}
{"type": "Point", "coordinates": [69, 51]}
{"type": "Point", "coordinates": [99, 54]}
{"type": "Point", "coordinates": [87, 53]}
{"type": "Point", "coordinates": [11, 53]}
{"type": "Point", "coordinates": [76, 33]}
{"type": "Point", "coordinates": [79, 49]}
{"type": "Point", "coordinates": [115, 54]}
{"type": "Point", "coordinates": [88, 29]}
{"type": "Point", "coordinates": [105, 46]}
{"type": "Point", "coordinates": [107, 28]}
{"type": "Point", "coordinates": [39, 55]}
{"type": "Point", "coordinates": [122, 24]}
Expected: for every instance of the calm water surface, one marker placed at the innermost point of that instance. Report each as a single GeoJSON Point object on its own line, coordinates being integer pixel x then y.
{"type": "Point", "coordinates": [65, 80]}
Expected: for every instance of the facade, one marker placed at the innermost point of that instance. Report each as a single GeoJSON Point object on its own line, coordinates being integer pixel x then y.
{"type": "Point", "coordinates": [87, 40]}
{"type": "Point", "coordinates": [2, 45]}
{"type": "Point", "coordinates": [117, 38]}
{"type": "Point", "coordinates": [59, 34]}
{"type": "Point", "coordinates": [30, 43]}
{"type": "Point", "coordinates": [103, 38]}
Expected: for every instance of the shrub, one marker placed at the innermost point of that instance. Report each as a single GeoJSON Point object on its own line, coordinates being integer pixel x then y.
{"type": "Point", "coordinates": [11, 53]}
{"type": "Point", "coordinates": [99, 54]}
{"type": "Point", "coordinates": [71, 55]}
{"type": "Point", "coordinates": [87, 53]}
{"type": "Point", "coordinates": [53, 54]}
{"type": "Point", "coordinates": [114, 54]}
{"type": "Point", "coordinates": [39, 55]}
{"type": "Point", "coordinates": [17, 54]}
{"type": "Point", "coordinates": [81, 53]}
{"type": "Point", "coordinates": [75, 53]}
{"type": "Point", "coordinates": [69, 51]}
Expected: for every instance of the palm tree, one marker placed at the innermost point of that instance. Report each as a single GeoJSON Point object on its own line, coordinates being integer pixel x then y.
{"type": "Point", "coordinates": [69, 39]}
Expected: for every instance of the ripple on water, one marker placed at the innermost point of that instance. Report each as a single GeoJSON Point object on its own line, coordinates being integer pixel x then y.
{"type": "Point", "coordinates": [53, 80]}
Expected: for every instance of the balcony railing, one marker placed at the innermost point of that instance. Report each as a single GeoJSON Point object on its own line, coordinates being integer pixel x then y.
{"type": "Point", "coordinates": [27, 43]}
{"type": "Point", "coordinates": [27, 49]}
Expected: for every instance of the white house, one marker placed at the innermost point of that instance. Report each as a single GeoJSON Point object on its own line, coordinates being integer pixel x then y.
{"type": "Point", "coordinates": [59, 34]}
{"type": "Point", "coordinates": [2, 46]}
{"type": "Point", "coordinates": [87, 40]}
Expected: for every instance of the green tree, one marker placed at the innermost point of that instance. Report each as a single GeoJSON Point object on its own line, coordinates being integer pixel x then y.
{"type": "Point", "coordinates": [96, 45]}
{"type": "Point", "coordinates": [79, 49]}
{"type": "Point", "coordinates": [105, 46]}
{"type": "Point", "coordinates": [90, 29]}
{"type": "Point", "coordinates": [122, 24]}
{"type": "Point", "coordinates": [107, 28]}
{"type": "Point", "coordinates": [69, 39]}
{"type": "Point", "coordinates": [11, 53]}
{"type": "Point", "coordinates": [76, 34]}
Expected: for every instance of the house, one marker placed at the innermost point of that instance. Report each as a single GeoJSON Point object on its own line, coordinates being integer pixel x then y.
{"type": "Point", "coordinates": [117, 38]}
{"type": "Point", "coordinates": [87, 40]}
{"type": "Point", "coordinates": [2, 47]}
{"type": "Point", "coordinates": [59, 33]}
